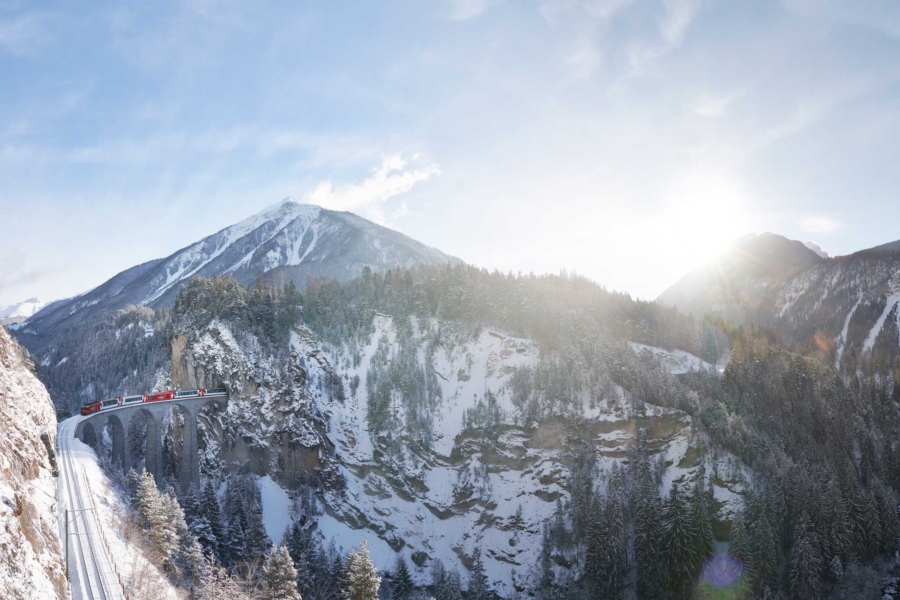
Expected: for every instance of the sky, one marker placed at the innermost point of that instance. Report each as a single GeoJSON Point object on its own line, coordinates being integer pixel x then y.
{"type": "Point", "coordinates": [624, 140]}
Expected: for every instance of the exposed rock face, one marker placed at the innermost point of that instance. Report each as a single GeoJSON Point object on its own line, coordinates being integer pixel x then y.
{"type": "Point", "coordinates": [31, 563]}
{"type": "Point", "coordinates": [453, 472]}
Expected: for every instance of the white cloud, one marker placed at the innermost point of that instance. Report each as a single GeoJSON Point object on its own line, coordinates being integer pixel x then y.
{"type": "Point", "coordinates": [584, 58]}
{"type": "Point", "coordinates": [713, 105]}
{"type": "Point", "coordinates": [393, 177]}
{"type": "Point", "coordinates": [461, 10]}
{"type": "Point", "coordinates": [678, 18]}
{"type": "Point", "coordinates": [820, 225]}
{"type": "Point", "coordinates": [24, 34]}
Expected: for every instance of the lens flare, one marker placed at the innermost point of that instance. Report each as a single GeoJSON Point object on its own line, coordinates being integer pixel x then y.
{"type": "Point", "coordinates": [722, 569]}
{"type": "Point", "coordinates": [722, 578]}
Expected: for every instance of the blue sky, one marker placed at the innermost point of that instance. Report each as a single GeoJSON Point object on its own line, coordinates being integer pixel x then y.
{"type": "Point", "coordinates": [626, 140]}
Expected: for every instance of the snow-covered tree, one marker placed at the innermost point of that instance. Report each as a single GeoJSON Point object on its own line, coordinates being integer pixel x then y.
{"type": "Point", "coordinates": [479, 588]}
{"type": "Point", "coordinates": [210, 511]}
{"type": "Point", "coordinates": [363, 580]}
{"type": "Point", "coordinates": [806, 562]}
{"type": "Point", "coordinates": [279, 575]}
{"type": "Point", "coordinates": [402, 581]}
{"type": "Point", "coordinates": [676, 543]}
{"type": "Point", "coordinates": [146, 499]}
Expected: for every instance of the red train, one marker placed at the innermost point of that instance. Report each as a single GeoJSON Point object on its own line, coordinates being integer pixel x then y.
{"type": "Point", "coordinates": [99, 405]}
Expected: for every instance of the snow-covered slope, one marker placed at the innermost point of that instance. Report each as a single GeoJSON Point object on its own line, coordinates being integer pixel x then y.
{"type": "Point", "coordinates": [286, 241]}
{"type": "Point", "coordinates": [16, 313]}
{"type": "Point", "coordinates": [425, 484]}
{"type": "Point", "coordinates": [31, 565]}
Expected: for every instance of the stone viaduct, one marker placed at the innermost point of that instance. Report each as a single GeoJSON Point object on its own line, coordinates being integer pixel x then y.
{"type": "Point", "coordinates": [119, 420]}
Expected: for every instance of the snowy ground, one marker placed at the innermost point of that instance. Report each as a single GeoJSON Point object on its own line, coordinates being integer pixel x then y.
{"type": "Point", "coordinates": [101, 536]}
{"type": "Point", "coordinates": [447, 502]}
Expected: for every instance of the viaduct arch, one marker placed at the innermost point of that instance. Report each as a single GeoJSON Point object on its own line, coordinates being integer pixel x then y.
{"type": "Point", "coordinates": [89, 431]}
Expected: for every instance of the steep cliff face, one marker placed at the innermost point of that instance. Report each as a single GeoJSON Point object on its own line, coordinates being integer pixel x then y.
{"type": "Point", "coordinates": [31, 563]}
{"type": "Point", "coordinates": [416, 436]}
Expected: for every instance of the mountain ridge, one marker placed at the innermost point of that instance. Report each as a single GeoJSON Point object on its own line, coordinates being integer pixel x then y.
{"type": "Point", "coordinates": [287, 241]}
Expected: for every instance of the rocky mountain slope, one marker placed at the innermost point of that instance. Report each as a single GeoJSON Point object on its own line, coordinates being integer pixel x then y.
{"type": "Point", "coordinates": [287, 242]}
{"type": "Point", "coordinates": [847, 308]}
{"type": "Point", "coordinates": [31, 564]}
{"type": "Point", "coordinates": [430, 436]}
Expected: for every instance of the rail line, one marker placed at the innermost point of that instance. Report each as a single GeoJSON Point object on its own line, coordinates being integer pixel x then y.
{"type": "Point", "coordinates": [92, 574]}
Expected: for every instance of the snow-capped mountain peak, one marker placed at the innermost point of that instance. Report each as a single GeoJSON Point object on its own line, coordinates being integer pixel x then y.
{"type": "Point", "coordinates": [20, 311]}
{"type": "Point", "coordinates": [816, 248]}
{"type": "Point", "coordinates": [287, 241]}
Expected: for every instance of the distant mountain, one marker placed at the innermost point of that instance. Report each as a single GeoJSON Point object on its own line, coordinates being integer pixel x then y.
{"type": "Point", "coordinates": [15, 313]}
{"type": "Point", "coordinates": [816, 248]}
{"type": "Point", "coordinates": [846, 308]}
{"type": "Point", "coordinates": [720, 285]}
{"type": "Point", "coordinates": [286, 241]}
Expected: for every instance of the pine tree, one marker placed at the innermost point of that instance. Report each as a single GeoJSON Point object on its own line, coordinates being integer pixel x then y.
{"type": "Point", "coordinates": [146, 499]}
{"type": "Point", "coordinates": [209, 509]}
{"type": "Point", "coordinates": [363, 579]}
{"type": "Point", "coordinates": [478, 589]}
{"type": "Point", "coordinates": [256, 536]}
{"type": "Point", "coordinates": [402, 582]}
{"type": "Point", "coordinates": [647, 528]}
{"type": "Point", "coordinates": [132, 482]}
{"type": "Point", "coordinates": [234, 549]}
{"type": "Point", "coordinates": [676, 544]}
{"type": "Point", "coordinates": [165, 522]}
{"type": "Point", "coordinates": [703, 536]}
{"type": "Point", "coordinates": [806, 562]}
{"type": "Point", "coordinates": [219, 584]}
{"type": "Point", "coordinates": [765, 559]}
{"type": "Point", "coordinates": [739, 544]}
{"type": "Point", "coordinates": [279, 575]}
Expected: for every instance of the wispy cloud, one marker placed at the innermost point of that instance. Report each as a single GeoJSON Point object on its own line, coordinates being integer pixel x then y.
{"type": "Point", "coordinates": [678, 18]}
{"type": "Point", "coordinates": [820, 224]}
{"type": "Point", "coordinates": [714, 105]}
{"type": "Point", "coordinates": [24, 34]}
{"type": "Point", "coordinates": [394, 176]}
{"type": "Point", "coordinates": [461, 10]}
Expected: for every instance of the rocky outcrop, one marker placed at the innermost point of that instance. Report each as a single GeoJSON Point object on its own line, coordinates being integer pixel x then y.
{"type": "Point", "coordinates": [31, 563]}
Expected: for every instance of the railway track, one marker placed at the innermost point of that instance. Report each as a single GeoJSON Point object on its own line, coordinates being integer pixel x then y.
{"type": "Point", "coordinates": [90, 567]}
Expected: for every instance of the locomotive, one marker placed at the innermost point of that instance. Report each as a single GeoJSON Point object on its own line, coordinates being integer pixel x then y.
{"type": "Point", "coordinates": [100, 405]}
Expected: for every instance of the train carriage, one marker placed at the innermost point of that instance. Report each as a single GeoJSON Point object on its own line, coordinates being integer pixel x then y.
{"type": "Point", "coordinates": [121, 401]}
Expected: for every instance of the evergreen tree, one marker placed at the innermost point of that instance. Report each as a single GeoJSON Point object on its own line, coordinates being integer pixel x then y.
{"type": "Point", "coordinates": [132, 482]}
{"type": "Point", "coordinates": [478, 589]}
{"type": "Point", "coordinates": [146, 499]}
{"type": "Point", "coordinates": [739, 544]}
{"type": "Point", "coordinates": [219, 584]}
{"type": "Point", "coordinates": [257, 540]}
{"type": "Point", "coordinates": [279, 576]}
{"type": "Point", "coordinates": [363, 579]}
{"type": "Point", "coordinates": [703, 536]}
{"type": "Point", "coordinates": [676, 544]}
{"type": "Point", "coordinates": [765, 560]}
{"type": "Point", "coordinates": [235, 548]}
{"type": "Point", "coordinates": [806, 563]}
{"type": "Point", "coordinates": [210, 511]}
{"type": "Point", "coordinates": [402, 581]}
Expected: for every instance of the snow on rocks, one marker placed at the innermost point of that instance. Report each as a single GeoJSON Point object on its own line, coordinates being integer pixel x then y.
{"type": "Point", "coordinates": [31, 564]}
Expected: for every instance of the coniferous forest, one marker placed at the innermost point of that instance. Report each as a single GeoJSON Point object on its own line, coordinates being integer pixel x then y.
{"type": "Point", "coordinates": [818, 460]}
